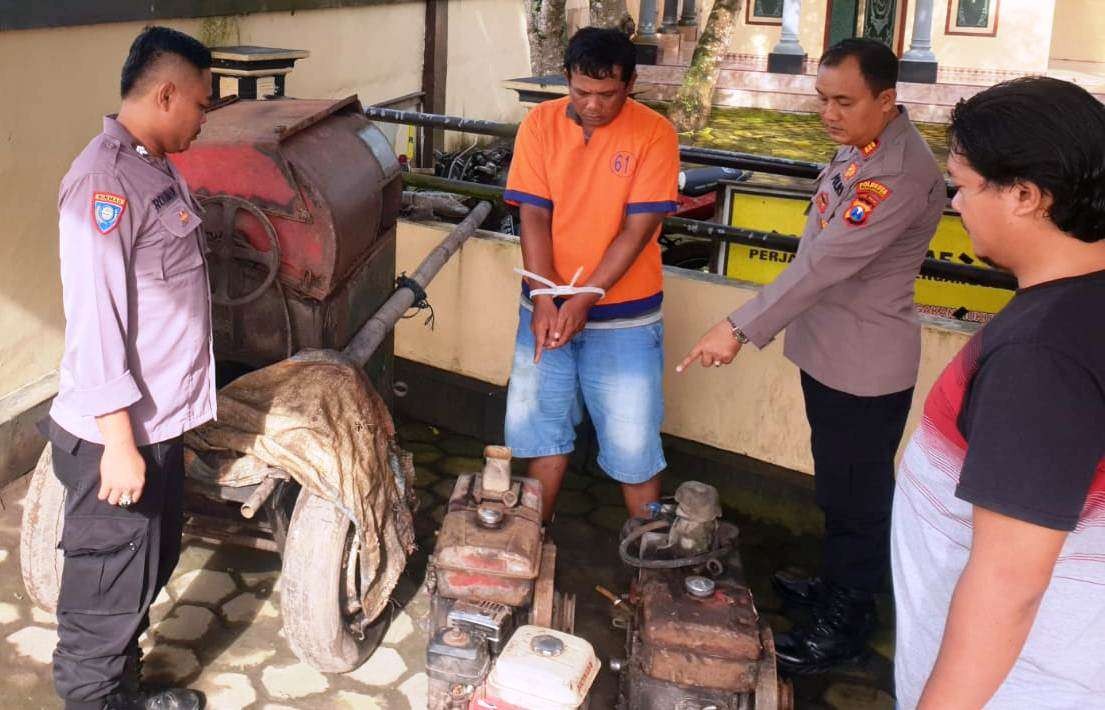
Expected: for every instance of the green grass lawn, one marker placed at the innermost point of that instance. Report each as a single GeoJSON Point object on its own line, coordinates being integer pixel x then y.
{"type": "Point", "coordinates": [798, 136]}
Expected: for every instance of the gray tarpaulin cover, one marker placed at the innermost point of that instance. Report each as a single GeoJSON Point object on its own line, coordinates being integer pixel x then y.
{"type": "Point", "coordinates": [317, 417]}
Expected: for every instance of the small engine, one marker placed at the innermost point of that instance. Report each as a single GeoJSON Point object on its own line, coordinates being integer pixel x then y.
{"type": "Point", "coordinates": [492, 594]}
{"type": "Point", "coordinates": [539, 669]}
{"type": "Point", "coordinates": [694, 640]}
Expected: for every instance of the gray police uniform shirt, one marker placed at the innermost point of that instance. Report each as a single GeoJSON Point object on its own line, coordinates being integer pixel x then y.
{"type": "Point", "coordinates": [846, 300]}
{"type": "Point", "coordinates": [135, 293]}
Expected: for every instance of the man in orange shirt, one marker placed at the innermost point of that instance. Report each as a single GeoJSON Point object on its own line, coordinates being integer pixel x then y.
{"type": "Point", "coordinates": [593, 174]}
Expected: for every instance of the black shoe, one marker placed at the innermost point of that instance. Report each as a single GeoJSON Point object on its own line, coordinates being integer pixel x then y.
{"type": "Point", "coordinates": [168, 699]}
{"type": "Point", "coordinates": [837, 634]}
{"type": "Point", "coordinates": [797, 589]}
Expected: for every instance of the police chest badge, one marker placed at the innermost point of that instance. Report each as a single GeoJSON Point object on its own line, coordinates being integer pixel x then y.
{"type": "Point", "coordinates": [107, 210]}
{"type": "Point", "coordinates": [869, 193]}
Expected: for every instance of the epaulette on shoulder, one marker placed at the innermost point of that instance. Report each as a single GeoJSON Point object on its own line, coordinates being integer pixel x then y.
{"type": "Point", "coordinates": [104, 153]}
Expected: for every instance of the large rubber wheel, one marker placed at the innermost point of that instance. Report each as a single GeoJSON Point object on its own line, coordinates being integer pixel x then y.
{"type": "Point", "coordinates": [321, 590]}
{"type": "Point", "coordinates": [40, 559]}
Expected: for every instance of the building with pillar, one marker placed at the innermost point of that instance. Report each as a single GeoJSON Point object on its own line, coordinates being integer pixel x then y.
{"type": "Point", "coordinates": [965, 42]}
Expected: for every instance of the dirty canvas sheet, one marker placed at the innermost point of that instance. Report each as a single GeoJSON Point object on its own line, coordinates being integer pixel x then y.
{"type": "Point", "coordinates": [317, 417]}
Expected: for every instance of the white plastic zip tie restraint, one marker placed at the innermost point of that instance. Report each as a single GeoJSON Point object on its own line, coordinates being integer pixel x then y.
{"type": "Point", "coordinates": [553, 290]}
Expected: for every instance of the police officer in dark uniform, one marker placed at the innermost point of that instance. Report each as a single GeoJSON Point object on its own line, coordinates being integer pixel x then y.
{"type": "Point", "coordinates": [846, 302]}
{"type": "Point", "coordinates": [137, 371]}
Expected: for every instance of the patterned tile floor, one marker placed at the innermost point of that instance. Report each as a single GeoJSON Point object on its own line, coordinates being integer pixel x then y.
{"type": "Point", "coordinates": [217, 626]}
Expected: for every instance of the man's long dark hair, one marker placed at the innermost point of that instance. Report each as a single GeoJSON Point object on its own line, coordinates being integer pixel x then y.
{"type": "Point", "coordinates": [1043, 131]}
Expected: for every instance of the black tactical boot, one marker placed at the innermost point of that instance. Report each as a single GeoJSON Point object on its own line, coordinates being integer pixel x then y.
{"type": "Point", "coordinates": [168, 699]}
{"type": "Point", "coordinates": [837, 633]}
{"type": "Point", "coordinates": [797, 589]}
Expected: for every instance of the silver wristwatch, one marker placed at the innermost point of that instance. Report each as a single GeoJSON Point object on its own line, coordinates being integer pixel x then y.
{"type": "Point", "coordinates": [737, 332]}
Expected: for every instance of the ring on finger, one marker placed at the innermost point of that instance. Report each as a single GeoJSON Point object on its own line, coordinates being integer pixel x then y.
{"type": "Point", "coordinates": [125, 500]}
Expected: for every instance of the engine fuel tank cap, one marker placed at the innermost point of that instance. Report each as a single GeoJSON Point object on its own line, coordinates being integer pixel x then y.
{"type": "Point", "coordinates": [489, 516]}
{"type": "Point", "coordinates": [700, 587]}
{"type": "Point", "coordinates": [546, 645]}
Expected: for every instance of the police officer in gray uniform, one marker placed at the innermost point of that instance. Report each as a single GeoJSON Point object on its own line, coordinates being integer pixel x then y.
{"type": "Point", "coordinates": [846, 302]}
{"type": "Point", "coordinates": [137, 371]}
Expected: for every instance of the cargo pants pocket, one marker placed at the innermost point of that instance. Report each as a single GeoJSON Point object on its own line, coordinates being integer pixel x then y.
{"type": "Point", "coordinates": [105, 564]}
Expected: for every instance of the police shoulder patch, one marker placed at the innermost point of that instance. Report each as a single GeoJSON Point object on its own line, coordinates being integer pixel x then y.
{"type": "Point", "coordinates": [858, 212]}
{"type": "Point", "coordinates": [107, 210]}
{"type": "Point", "coordinates": [873, 191]}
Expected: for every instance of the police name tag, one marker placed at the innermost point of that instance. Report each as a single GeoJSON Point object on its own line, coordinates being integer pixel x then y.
{"type": "Point", "coordinates": [107, 209]}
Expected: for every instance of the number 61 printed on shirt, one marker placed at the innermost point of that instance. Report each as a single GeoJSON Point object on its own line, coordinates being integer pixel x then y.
{"type": "Point", "coordinates": [622, 164]}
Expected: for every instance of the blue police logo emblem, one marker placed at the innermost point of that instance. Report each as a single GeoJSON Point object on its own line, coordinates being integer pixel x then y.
{"type": "Point", "coordinates": [107, 209]}
{"type": "Point", "coordinates": [857, 213]}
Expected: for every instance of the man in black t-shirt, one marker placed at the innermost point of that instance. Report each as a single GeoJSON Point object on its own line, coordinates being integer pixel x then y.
{"type": "Point", "coordinates": [998, 534]}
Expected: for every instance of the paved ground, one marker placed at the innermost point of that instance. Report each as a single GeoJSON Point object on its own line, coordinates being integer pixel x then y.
{"type": "Point", "coordinates": [217, 627]}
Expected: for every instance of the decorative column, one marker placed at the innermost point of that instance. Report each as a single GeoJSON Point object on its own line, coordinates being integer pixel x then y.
{"type": "Point", "coordinates": [788, 57]}
{"type": "Point", "coordinates": [671, 17]}
{"type": "Point", "coordinates": [670, 38]}
{"type": "Point", "coordinates": [919, 63]}
{"type": "Point", "coordinates": [690, 14]}
{"type": "Point", "coordinates": [646, 27]}
{"type": "Point", "coordinates": [646, 39]}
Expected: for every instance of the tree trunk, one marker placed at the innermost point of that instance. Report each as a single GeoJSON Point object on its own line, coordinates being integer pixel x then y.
{"type": "Point", "coordinates": [691, 107]}
{"type": "Point", "coordinates": [611, 13]}
{"type": "Point", "coordinates": [547, 26]}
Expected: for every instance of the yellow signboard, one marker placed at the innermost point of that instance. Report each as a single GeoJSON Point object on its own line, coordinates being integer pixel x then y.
{"type": "Point", "coordinates": [785, 213]}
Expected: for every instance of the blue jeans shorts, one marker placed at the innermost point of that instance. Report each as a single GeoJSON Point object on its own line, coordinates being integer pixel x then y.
{"type": "Point", "coordinates": [616, 373]}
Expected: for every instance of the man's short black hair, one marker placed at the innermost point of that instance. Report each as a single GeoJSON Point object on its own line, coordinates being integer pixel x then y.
{"type": "Point", "coordinates": [154, 43]}
{"type": "Point", "coordinates": [877, 62]}
{"type": "Point", "coordinates": [1044, 131]}
{"type": "Point", "coordinates": [595, 51]}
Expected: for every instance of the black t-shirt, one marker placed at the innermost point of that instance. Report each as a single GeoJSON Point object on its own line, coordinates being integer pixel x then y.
{"type": "Point", "coordinates": [1034, 412]}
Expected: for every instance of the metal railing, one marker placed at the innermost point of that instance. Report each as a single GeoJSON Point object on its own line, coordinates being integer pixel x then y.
{"type": "Point", "coordinates": [931, 268]}
{"type": "Point", "coordinates": [690, 154]}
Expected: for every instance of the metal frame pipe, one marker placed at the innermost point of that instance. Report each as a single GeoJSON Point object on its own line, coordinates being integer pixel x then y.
{"type": "Point", "coordinates": [373, 332]}
{"type": "Point", "coordinates": [689, 154]}
{"type": "Point", "coordinates": [701, 156]}
{"type": "Point", "coordinates": [450, 123]}
{"type": "Point", "coordinates": [934, 268]}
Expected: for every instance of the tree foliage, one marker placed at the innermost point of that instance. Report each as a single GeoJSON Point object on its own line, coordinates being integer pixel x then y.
{"type": "Point", "coordinates": [691, 107]}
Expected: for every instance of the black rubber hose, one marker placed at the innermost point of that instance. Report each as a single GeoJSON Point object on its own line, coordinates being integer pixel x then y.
{"type": "Point", "coordinates": [634, 561]}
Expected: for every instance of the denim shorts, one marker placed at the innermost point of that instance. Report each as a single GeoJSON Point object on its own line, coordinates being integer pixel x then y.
{"type": "Point", "coordinates": [616, 373]}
